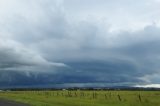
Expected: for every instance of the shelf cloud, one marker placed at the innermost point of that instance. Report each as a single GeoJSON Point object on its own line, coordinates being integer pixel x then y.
{"type": "Point", "coordinates": [79, 42]}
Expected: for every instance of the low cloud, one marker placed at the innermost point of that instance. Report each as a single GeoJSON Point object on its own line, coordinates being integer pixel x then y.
{"type": "Point", "coordinates": [14, 56]}
{"type": "Point", "coordinates": [41, 42]}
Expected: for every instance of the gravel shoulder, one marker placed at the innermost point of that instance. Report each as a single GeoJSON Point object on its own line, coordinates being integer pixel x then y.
{"type": "Point", "coordinates": [4, 102]}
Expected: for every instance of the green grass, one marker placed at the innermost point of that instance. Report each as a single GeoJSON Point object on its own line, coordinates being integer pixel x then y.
{"type": "Point", "coordinates": [85, 98]}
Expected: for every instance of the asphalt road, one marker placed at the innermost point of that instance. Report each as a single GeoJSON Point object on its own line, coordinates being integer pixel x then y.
{"type": "Point", "coordinates": [10, 103]}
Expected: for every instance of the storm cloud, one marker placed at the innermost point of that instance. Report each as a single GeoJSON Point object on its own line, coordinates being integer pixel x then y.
{"type": "Point", "coordinates": [79, 42]}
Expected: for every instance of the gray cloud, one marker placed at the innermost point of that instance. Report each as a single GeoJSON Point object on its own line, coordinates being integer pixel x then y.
{"type": "Point", "coordinates": [51, 41]}
{"type": "Point", "coordinates": [13, 55]}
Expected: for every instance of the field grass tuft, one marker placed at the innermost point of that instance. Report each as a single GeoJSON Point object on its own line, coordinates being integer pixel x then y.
{"type": "Point", "coordinates": [85, 98]}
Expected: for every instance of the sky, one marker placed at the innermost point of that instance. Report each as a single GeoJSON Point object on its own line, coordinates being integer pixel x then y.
{"type": "Point", "coordinates": [79, 43]}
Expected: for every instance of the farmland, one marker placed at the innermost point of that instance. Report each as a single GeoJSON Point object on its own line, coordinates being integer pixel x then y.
{"type": "Point", "coordinates": [84, 98]}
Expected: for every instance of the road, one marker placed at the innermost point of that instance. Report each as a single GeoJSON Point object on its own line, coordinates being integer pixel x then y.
{"type": "Point", "coordinates": [10, 103]}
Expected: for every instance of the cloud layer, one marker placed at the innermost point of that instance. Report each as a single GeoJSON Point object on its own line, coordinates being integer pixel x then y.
{"type": "Point", "coordinates": [96, 42]}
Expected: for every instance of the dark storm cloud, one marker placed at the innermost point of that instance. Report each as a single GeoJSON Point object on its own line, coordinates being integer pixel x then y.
{"type": "Point", "coordinates": [44, 42]}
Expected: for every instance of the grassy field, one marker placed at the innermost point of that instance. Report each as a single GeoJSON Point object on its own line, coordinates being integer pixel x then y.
{"type": "Point", "coordinates": [85, 98]}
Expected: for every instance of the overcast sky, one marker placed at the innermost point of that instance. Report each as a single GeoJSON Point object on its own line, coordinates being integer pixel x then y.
{"type": "Point", "coordinates": [79, 42]}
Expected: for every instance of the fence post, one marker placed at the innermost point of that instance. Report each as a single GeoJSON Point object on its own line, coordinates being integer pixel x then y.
{"type": "Point", "coordinates": [139, 96]}
{"type": "Point", "coordinates": [119, 97]}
